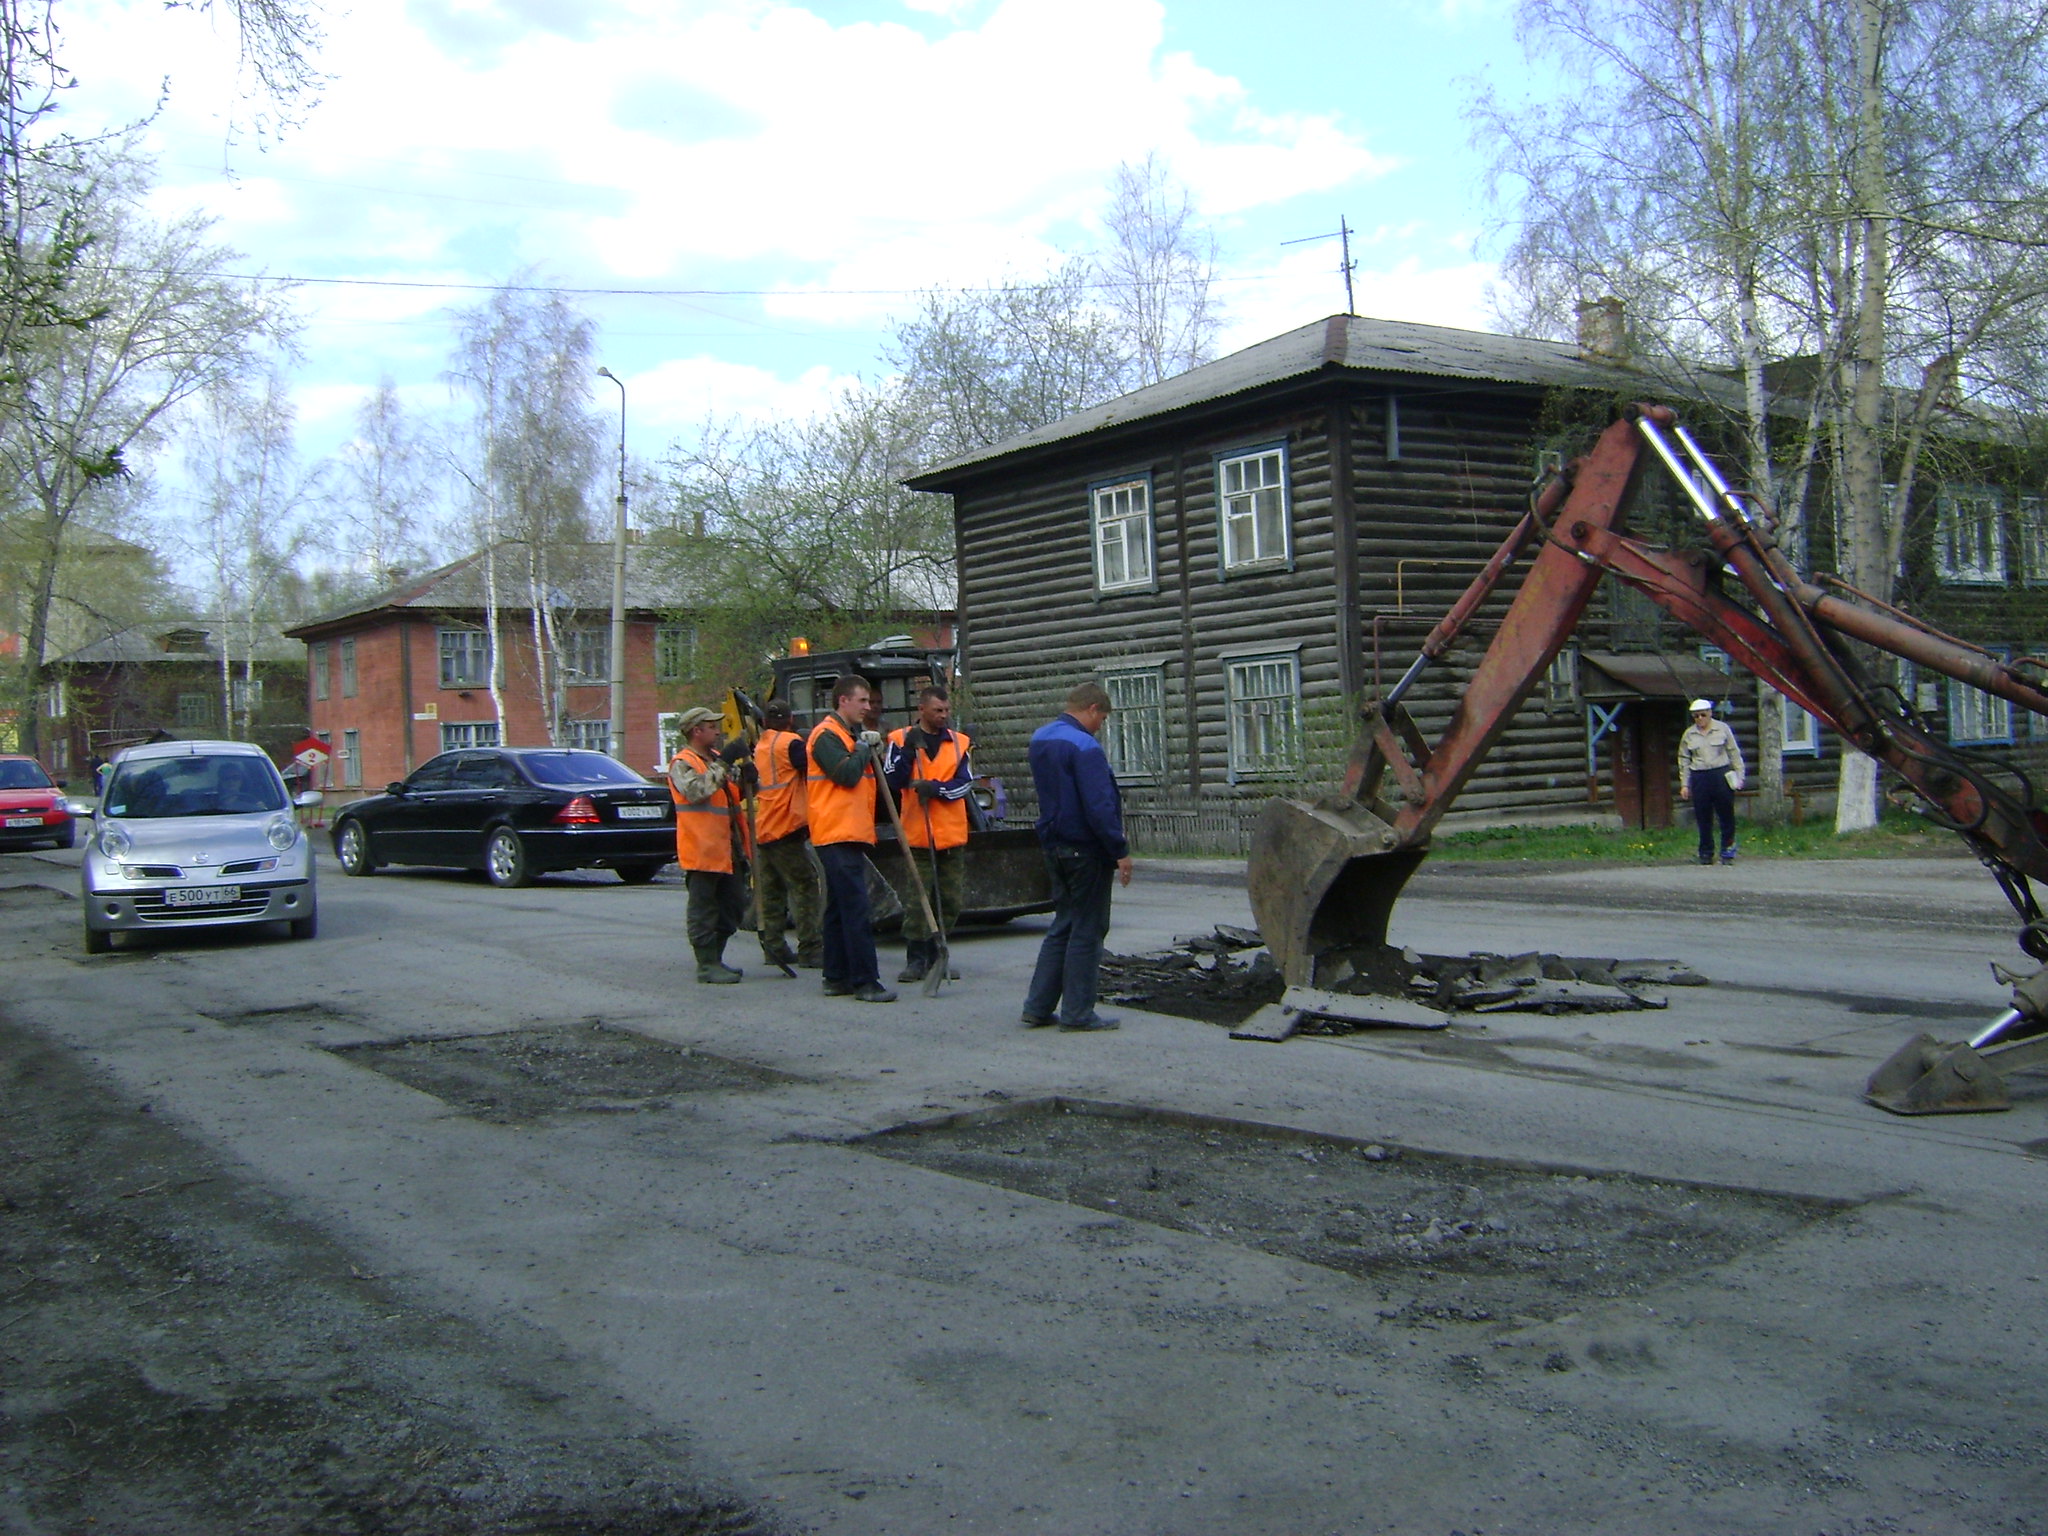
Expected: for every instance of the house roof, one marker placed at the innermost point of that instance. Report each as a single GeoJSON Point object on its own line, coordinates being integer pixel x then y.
{"type": "Point", "coordinates": [182, 639]}
{"type": "Point", "coordinates": [584, 580]}
{"type": "Point", "coordinates": [1608, 675]}
{"type": "Point", "coordinates": [1341, 344]}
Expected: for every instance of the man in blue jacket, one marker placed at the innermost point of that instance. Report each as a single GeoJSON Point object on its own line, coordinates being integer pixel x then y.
{"type": "Point", "coordinates": [1081, 828]}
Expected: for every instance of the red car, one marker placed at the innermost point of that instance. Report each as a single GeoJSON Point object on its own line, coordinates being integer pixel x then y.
{"type": "Point", "coordinates": [31, 807]}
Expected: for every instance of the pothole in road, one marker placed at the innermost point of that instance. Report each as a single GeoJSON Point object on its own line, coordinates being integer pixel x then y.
{"type": "Point", "coordinates": [285, 1013]}
{"type": "Point", "coordinates": [1441, 1237]}
{"type": "Point", "coordinates": [523, 1074]}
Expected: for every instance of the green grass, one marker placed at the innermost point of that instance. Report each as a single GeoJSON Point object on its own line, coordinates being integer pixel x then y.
{"type": "Point", "coordinates": [1898, 835]}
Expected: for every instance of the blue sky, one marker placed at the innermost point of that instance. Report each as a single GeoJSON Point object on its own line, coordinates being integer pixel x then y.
{"type": "Point", "coordinates": [805, 165]}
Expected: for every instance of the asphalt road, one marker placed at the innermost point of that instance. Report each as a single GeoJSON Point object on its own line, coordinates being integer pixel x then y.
{"type": "Point", "coordinates": [862, 1344]}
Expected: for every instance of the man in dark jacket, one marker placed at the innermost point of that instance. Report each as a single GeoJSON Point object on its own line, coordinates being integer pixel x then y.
{"type": "Point", "coordinates": [1081, 827]}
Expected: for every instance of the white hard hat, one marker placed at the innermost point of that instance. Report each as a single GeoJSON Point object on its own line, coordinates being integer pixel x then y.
{"type": "Point", "coordinates": [1701, 707]}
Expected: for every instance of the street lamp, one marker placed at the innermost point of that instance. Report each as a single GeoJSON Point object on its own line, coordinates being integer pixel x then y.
{"type": "Point", "coordinates": [617, 747]}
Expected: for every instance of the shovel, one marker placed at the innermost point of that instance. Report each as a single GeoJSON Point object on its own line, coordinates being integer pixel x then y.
{"type": "Point", "coordinates": [944, 956]}
{"type": "Point", "coordinates": [937, 973]}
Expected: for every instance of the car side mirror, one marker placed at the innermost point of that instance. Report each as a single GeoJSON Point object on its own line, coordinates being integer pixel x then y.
{"type": "Point", "coordinates": [81, 807]}
{"type": "Point", "coordinates": [394, 788]}
{"type": "Point", "coordinates": [307, 799]}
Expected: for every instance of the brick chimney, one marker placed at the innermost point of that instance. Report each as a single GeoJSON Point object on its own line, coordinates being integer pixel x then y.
{"type": "Point", "coordinates": [1603, 332]}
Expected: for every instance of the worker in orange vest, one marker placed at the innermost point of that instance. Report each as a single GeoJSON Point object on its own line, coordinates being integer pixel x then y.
{"type": "Point", "coordinates": [929, 772]}
{"type": "Point", "coordinates": [842, 759]}
{"type": "Point", "coordinates": [788, 874]}
{"type": "Point", "coordinates": [711, 838]}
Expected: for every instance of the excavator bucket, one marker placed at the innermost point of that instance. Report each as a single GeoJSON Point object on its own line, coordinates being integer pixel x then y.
{"type": "Point", "coordinates": [1324, 879]}
{"type": "Point", "coordinates": [1927, 1076]}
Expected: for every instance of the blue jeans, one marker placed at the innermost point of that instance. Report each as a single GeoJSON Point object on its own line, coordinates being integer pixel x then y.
{"type": "Point", "coordinates": [1712, 800]}
{"type": "Point", "coordinates": [1070, 958]}
{"type": "Point", "coordinates": [849, 942]}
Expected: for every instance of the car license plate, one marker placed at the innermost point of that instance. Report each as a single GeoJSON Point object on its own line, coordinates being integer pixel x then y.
{"type": "Point", "coordinates": [24, 821]}
{"type": "Point", "coordinates": [204, 896]}
{"type": "Point", "coordinates": [642, 812]}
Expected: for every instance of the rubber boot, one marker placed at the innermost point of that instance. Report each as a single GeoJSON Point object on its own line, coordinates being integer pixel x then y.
{"type": "Point", "coordinates": [917, 959]}
{"type": "Point", "coordinates": [715, 972]}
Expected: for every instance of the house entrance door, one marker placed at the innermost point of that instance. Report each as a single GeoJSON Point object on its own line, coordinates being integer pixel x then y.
{"type": "Point", "coordinates": [1644, 754]}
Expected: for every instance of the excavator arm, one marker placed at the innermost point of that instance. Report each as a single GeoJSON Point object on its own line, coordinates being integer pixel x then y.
{"type": "Point", "coordinates": [1324, 877]}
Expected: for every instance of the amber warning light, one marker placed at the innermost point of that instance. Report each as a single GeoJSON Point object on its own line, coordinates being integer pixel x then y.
{"type": "Point", "coordinates": [799, 646]}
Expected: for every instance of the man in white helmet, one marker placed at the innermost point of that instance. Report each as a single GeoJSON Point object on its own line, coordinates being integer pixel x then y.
{"type": "Point", "coordinates": [1710, 770]}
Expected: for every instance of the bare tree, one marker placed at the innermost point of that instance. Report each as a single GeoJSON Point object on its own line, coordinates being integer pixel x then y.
{"type": "Point", "coordinates": [1158, 274]}
{"type": "Point", "coordinates": [525, 360]}
{"type": "Point", "coordinates": [387, 473]}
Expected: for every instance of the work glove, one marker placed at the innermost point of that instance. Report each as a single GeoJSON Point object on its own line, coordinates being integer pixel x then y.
{"type": "Point", "coordinates": [749, 776]}
{"type": "Point", "coordinates": [928, 788]}
{"type": "Point", "coordinates": [872, 740]}
{"type": "Point", "coordinates": [733, 750]}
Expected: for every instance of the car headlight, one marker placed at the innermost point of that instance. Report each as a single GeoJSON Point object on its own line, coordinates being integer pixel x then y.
{"type": "Point", "coordinates": [282, 832]}
{"type": "Point", "coordinates": [115, 841]}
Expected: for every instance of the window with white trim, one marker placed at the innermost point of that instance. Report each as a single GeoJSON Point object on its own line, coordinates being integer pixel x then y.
{"type": "Point", "coordinates": [1976, 717]}
{"type": "Point", "coordinates": [594, 734]}
{"type": "Point", "coordinates": [348, 669]}
{"type": "Point", "coordinates": [351, 759]}
{"type": "Point", "coordinates": [1123, 535]}
{"type": "Point", "coordinates": [195, 709]}
{"type": "Point", "coordinates": [246, 695]}
{"type": "Point", "coordinates": [457, 734]}
{"type": "Point", "coordinates": [675, 652]}
{"type": "Point", "coordinates": [316, 663]}
{"type": "Point", "coordinates": [465, 657]}
{"type": "Point", "coordinates": [1251, 495]}
{"type": "Point", "coordinates": [585, 654]}
{"type": "Point", "coordinates": [1134, 736]}
{"type": "Point", "coordinates": [1969, 543]}
{"type": "Point", "coordinates": [1800, 732]}
{"type": "Point", "coordinates": [1265, 715]}
{"type": "Point", "coordinates": [2032, 536]}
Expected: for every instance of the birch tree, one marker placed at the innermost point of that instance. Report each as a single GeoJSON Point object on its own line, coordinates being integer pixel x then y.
{"type": "Point", "coordinates": [386, 487]}
{"type": "Point", "coordinates": [1157, 275]}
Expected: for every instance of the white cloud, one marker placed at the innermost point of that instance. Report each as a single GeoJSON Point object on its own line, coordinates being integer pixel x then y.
{"type": "Point", "coordinates": [674, 398]}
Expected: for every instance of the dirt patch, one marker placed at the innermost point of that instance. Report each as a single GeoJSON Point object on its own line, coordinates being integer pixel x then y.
{"type": "Point", "coordinates": [523, 1074]}
{"type": "Point", "coordinates": [179, 1355]}
{"type": "Point", "coordinates": [1442, 1238]}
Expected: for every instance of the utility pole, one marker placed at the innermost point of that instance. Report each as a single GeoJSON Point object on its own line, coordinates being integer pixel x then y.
{"type": "Point", "coordinates": [617, 734]}
{"type": "Point", "coordinates": [1346, 267]}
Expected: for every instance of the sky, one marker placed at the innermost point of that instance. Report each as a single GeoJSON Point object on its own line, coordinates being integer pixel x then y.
{"type": "Point", "coordinates": [742, 193]}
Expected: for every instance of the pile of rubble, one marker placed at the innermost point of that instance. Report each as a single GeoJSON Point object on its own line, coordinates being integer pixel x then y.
{"type": "Point", "coordinates": [1228, 977]}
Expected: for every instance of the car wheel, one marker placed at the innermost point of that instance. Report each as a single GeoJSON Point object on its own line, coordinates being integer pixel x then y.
{"type": "Point", "coordinates": [305, 927]}
{"type": "Point", "coordinates": [505, 859]}
{"type": "Point", "coordinates": [68, 838]}
{"type": "Point", "coordinates": [352, 847]}
{"type": "Point", "coordinates": [98, 941]}
{"type": "Point", "coordinates": [640, 874]}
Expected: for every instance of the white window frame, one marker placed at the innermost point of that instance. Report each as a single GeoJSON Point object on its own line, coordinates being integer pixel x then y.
{"type": "Point", "coordinates": [1969, 541]}
{"type": "Point", "coordinates": [465, 656]}
{"type": "Point", "coordinates": [1263, 709]}
{"type": "Point", "coordinates": [196, 709]}
{"type": "Point", "coordinates": [596, 735]}
{"type": "Point", "coordinates": [1977, 718]}
{"type": "Point", "coordinates": [57, 699]}
{"type": "Point", "coordinates": [1120, 527]}
{"type": "Point", "coordinates": [1238, 508]}
{"type": "Point", "coordinates": [458, 735]}
{"type": "Point", "coordinates": [246, 693]}
{"type": "Point", "coordinates": [675, 652]}
{"type": "Point", "coordinates": [351, 759]}
{"type": "Point", "coordinates": [578, 648]}
{"type": "Point", "coordinates": [1135, 734]}
{"type": "Point", "coordinates": [2030, 533]}
{"type": "Point", "coordinates": [1799, 732]}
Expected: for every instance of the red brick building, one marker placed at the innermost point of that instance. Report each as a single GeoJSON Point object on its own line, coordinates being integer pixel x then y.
{"type": "Point", "coordinates": [403, 675]}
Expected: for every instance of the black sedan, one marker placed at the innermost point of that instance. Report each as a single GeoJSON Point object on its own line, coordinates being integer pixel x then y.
{"type": "Point", "coordinates": [514, 812]}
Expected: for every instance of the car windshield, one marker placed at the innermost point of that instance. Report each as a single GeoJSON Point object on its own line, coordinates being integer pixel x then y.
{"type": "Point", "coordinates": [23, 775]}
{"type": "Point", "coordinates": [160, 787]}
{"type": "Point", "coordinates": [569, 768]}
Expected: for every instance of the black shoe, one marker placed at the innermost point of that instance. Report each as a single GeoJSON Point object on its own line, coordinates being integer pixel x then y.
{"type": "Point", "coordinates": [839, 989]}
{"type": "Point", "coordinates": [1036, 1021]}
{"type": "Point", "coordinates": [1093, 1023]}
{"type": "Point", "coordinates": [874, 992]}
{"type": "Point", "coordinates": [1706, 858]}
{"type": "Point", "coordinates": [917, 959]}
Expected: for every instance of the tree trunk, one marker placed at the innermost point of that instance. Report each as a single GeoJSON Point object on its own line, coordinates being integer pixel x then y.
{"type": "Point", "coordinates": [1770, 755]}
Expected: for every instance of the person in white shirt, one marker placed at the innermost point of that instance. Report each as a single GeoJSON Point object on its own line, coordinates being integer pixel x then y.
{"type": "Point", "coordinates": [1710, 770]}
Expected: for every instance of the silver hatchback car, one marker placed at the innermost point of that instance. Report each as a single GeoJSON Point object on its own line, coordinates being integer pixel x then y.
{"type": "Point", "coordinates": [196, 834]}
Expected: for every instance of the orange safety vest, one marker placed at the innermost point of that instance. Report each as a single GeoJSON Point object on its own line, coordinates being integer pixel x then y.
{"type": "Point", "coordinates": [705, 828]}
{"type": "Point", "coordinates": [937, 824]}
{"type": "Point", "coordinates": [782, 805]}
{"type": "Point", "coordinates": [838, 814]}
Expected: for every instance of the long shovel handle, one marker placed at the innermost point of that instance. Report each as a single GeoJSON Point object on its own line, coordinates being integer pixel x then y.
{"type": "Point", "coordinates": [933, 976]}
{"type": "Point", "coordinates": [931, 846]}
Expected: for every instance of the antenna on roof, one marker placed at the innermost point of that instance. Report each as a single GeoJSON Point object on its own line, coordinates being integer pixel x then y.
{"type": "Point", "coordinates": [1346, 267]}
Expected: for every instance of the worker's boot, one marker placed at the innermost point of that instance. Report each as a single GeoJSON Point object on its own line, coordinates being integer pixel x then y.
{"type": "Point", "coordinates": [713, 971]}
{"type": "Point", "coordinates": [917, 959]}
